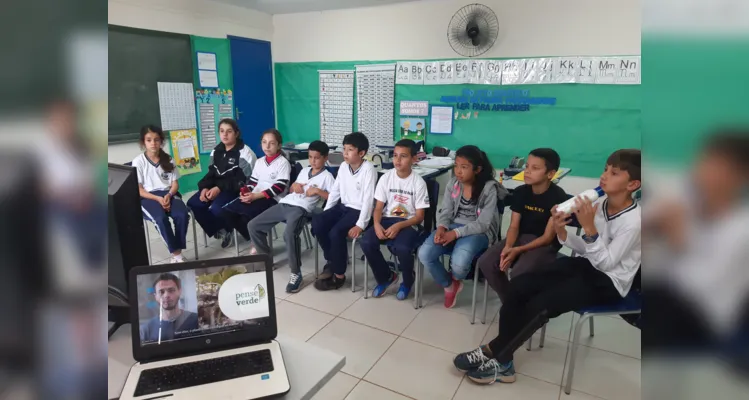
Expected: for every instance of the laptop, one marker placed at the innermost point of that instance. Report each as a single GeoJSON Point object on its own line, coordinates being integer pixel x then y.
{"type": "Point", "coordinates": [205, 330]}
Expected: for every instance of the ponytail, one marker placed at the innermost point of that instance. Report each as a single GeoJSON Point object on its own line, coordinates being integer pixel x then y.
{"type": "Point", "coordinates": [482, 167]}
{"type": "Point", "coordinates": [165, 160]}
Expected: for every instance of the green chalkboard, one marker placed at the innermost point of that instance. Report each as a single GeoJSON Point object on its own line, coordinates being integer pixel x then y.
{"type": "Point", "coordinates": [138, 59]}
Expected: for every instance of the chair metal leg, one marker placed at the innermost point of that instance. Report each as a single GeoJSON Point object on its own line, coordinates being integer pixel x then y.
{"type": "Point", "coordinates": [194, 236]}
{"type": "Point", "coordinates": [317, 261]}
{"type": "Point", "coordinates": [417, 282]}
{"type": "Point", "coordinates": [486, 296]}
{"type": "Point", "coordinates": [592, 329]}
{"type": "Point", "coordinates": [205, 239]}
{"type": "Point", "coordinates": [275, 233]}
{"type": "Point", "coordinates": [573, 354]}
{"type": "Point", "coordinates": [543, 336]}
{"type": "Point", "coordinates": [530, 343]}
{"type": "Point", "coordinates": [473, 301]}
{"type": "Point", "coordinates": [366, 279]}
{"type": "Point", "coordinates": [353, 265]}
{"type": "Point", "coordinates": [148, 243]}
{"type": "Point", "coordinates": [236, 242]}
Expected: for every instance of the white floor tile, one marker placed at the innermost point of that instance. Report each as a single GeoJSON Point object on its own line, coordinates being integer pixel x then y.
{"type": "Point", "coordinates": [361, 345]}
{"type": "Point", "coordinates": [386, 313]}
{"type": "Point", "coordinates": [417, 370]}
{"type": "Point", "coordinates": [575, 395]}
{"type": "Point", "coordinates": [445, 329]}
{"type": "Point", "coordinates": [525, 388]}
{"type": "Point", "coordinates": [608, 375]}
{"type": "Point", "coordinates": [337, 388]}
{"type": "Point", "coordinates": [556, 328]}
{"type": "Point", "coordinates": [465, 299]}
{"type": "Point", "coordinates": [612, 334]}
{"type": "Point", "coordinates": [300, 322]}
{"type": "Point", "coordinates": [367, 391]}
{"type": "Point", "coordinates": [331, 302]}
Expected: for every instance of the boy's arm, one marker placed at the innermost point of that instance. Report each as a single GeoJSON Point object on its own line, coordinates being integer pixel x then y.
{"type": "Point", "coordinates": [334, 196]}
{"type": "Point", "coordinates": [543, 240]}
{"type": "Point", "coordinates": [377, 215]}
{"type": "Point", "coordinates": [421, 203]}
{"type": "Point", "coordinates": [606, 257]}
{"type": "Point", "coordinates": [574, 242]}
{"type": "Point", "coordinates": [367, 195]}
{"type": "Point", "coordinates": [417, 219]}
{"type": "Point", "coordinates": [513, 231]}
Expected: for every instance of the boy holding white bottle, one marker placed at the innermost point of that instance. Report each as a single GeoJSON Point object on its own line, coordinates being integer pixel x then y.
{"type": "Point", "coordinates": [603, 273]}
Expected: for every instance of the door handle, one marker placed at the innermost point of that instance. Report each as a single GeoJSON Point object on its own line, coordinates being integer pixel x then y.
{"type": "Point", "coordinates": [238, 112]}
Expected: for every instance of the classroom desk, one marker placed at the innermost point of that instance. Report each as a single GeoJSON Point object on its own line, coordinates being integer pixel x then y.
{"type": "Point", "coordinates": [511, 184]}
{"type": "Point", "coordinates": [426, 173]}
{"type": "Point", "coordinates": [309, 367]}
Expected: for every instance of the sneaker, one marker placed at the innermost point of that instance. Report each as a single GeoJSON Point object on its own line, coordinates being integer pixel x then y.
{"type": "Point", "coordinates": [492, 371]}
{"type": "Point", "coordinates": [295, 283]}
{"type": "Point", "coordinates": [470, 360]}
{"type": "Point", "coordinates": [403, 292]}
{"type": "Point", "coordinates": [380, 289]}
{"type": "Point", "coordinates": [451, 294]}
{"type": "Point", "coordinates": [178, 259]}
{"type": "Point", "coordinates": [326, 272]}
{"type": "Point", "coordinates": [331, 283]}
{"type": "Point", "coordinates": [253, 250]}
{"type": "Point", "coordinates": [228, 240]}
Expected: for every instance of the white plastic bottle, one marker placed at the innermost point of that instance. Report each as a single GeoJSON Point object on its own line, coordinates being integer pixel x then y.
{"type": "Point", "coordinates": [591, 194]}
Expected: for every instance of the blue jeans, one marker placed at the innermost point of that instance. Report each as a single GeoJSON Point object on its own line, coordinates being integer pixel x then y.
{"type": "Point", "coordinates": [462, 252]}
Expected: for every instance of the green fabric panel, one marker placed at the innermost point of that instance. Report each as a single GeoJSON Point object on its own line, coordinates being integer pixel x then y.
{"type": "Point", "coordinates": [585, 126]}
{"type": "Point", "coordinates": [221, 48]}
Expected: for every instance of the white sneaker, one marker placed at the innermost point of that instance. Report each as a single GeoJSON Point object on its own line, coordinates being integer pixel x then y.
{"type": "Point", "coordinates": [177, 259]}
{"type": "Point", "coordinates": [253, 251]}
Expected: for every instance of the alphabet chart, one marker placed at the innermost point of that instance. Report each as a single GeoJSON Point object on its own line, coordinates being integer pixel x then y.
{"type": "Point", "coordinates": [375, 90]}
{"type": "Point", "coordinates": [336, 106]}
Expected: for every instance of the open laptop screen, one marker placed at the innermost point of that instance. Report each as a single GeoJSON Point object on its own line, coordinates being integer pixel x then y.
{"type": "Point", "coordinates": [191, 303]}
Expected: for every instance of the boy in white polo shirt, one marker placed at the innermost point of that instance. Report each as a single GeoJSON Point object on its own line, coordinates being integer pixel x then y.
{"type": "Point", "coordinates": [312, 184]}
{"type": "Point", "coordinates": [402, 197]}
{"type": "Point", "coordinates": [347, 212]}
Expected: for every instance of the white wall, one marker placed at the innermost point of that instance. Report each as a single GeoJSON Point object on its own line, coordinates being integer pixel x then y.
{"type": "Point", "coordinates": [192, 17]}
{"type": "Point", "coordinates": [418, 30]}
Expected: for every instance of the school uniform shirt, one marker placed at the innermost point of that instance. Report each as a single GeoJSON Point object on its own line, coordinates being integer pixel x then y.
{"type": "Point", "coordinates": [617, 251]}
{"type": "Point", "coordinates": [151, 176]}
{"type": "Point", "coordinates": [323, 180]}
{"type": "Point", "coordinates": [535, 209]}
{"type": "Point", "coordinates": [355, 189]}
{"type": "Point", "coordinates": [229, 169]}
{"type": "Point", "coordinates": [270, 176]}
{"type": "Point", "coordinates": [402, 197]}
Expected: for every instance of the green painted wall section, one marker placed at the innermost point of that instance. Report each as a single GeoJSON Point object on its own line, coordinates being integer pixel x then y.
{"type": "Point", "coordinates": [585, 126]}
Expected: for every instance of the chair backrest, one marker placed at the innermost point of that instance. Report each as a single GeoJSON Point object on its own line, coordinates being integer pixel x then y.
{"type": "Point", "coordinates": [335, 159]}
{"type": "Point", "coordinates": [333, 170]}
{"type": "Point", "coordinates": [387, 165]}
{"type": "Point", "coordinates": [295, 170]}
{"type": "Point", "coordinates": [129, 163]}
{"type": "Point", "coordinates": [433, 190]}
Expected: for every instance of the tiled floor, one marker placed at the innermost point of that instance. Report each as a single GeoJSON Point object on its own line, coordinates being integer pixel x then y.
{"type": "Point", "coordinates": [396, 352]}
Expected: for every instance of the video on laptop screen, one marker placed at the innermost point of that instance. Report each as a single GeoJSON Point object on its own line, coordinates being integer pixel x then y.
{"type": "Point", "coordinates": [198, 302]}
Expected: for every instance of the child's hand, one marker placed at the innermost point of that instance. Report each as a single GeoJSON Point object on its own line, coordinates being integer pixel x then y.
{"type": "Point", "coordinates": [203, 194]}
{"type": "Point", "coordinates": [297, 188]}
{"type": "Point", "coordinates": [449, 237]}
{"type": "Point", "coordinates": [438, 235]}
{"type": "Point", "coordinates": [392, 232]}
{"type": "Point", "coordinates": [586, 213]}
{"type": "Point", "coordinates": [213, 193]}
{"type": "Point", "coordinates": [354, 232]}
{"type": "Point", "coordinates": [509, 255]}
{"type": "Point", "coordinates": [312, 191]}
{"type": "Point", "coordinates": [560, 221]}
{"type": "Point", "coordinates": [246, 198]}
{"type": "Point", "coordinates": [380, 232]}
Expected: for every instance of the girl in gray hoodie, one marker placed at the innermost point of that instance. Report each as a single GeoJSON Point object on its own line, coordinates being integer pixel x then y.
{"type": "Point", "coordinates": [468, 222]}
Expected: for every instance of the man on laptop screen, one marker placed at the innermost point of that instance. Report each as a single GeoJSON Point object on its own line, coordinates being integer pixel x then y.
{"type": "Point", "coordinates": [172, 320]}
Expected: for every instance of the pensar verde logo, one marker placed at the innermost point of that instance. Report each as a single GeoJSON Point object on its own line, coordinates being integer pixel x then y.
{"type": "Point", "coordinates": [251, 296]}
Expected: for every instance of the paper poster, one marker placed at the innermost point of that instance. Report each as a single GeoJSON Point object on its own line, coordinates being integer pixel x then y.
{"type": "Point", "coordinates": [185, 151]}
{"type": "Point", "coordinates": [585, 70]}
{"type": "Point", "coordinates": [417, 73]}
{"type": "Point", "coordinates": [441, 122]}
{"type": "Point", "coordinates": [413, 128]}
{"type": "Point", "coordinates": [213, 105]}
{"type": "Point", "coordinates": [629, 71]}
{"type": "Point", "coordinates": [528, 71]}
{"type": "Point", "coordinates": [208, 79]}
{"type": "Point", "coordinates": [461, 72]}
{"type": "Point", "coordinates": [606, 70]}
{"type": "Point", "coordinates": [447, 72]}
{"type": "Point", "coordinates": [176, 105]}
{"type": "Point", "coordinates": [431, 73]}
{"type": "Point", "coordinates": [565, 70]}
{"type": "Point", "coordinates": [336, 105]}
{"type": "Point", "coordinates": [511, 74]}
{"type": "Point", "coordinates": [476, 70]}
{"type": "Point", "coordinates": [403, 73]}
{"type": "Point", "coordinates": [414, 108]}
{"type": "Point", "coordinates": [207, 61]}
{"type": "Point", "coordinates": [375, 91]}
{"type": "Point", "coordinates": [493, 73]}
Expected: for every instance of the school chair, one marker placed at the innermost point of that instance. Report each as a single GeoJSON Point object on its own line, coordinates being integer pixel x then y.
{"type": "Point", "coordinates": [335, 159]}
{"type": "Point", "coordinates": [433, 189]}
{"type": "Point", "coordinates": [629, 305]}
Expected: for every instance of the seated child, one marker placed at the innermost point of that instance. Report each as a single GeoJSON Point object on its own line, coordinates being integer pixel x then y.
{"type": "Point", "coordinates": [347, 212]}
{"type": "Point", "coordinates": [468, 222]}
{"type": "Point", "coordinates": [313, 183]}
{"type": "Point", "coordinates": [159, 191]}
{"type": "Point", "coordinates": [530, 239]}
{"type": "Point", "coordinates": [230, 166]}
{"type": "Point", "coordinates": [603, 273]}
{"type": "Point", "coordinates": [404, 193]}
{"type": "Point", "coordinates": [267, 185]}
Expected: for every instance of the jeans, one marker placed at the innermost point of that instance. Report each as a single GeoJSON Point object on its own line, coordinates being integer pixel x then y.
{"type": "Point", "coordinates": [403, 246]}
{"type": "Point", "coordinates": [462, 252]}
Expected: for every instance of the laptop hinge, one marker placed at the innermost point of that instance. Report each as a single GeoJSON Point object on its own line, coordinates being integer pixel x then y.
{"type": "Point", "coordinates": [204, 352]}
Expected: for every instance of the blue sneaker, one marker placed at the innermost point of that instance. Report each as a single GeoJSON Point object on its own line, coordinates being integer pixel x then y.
{"type": "Point", "coordinates": [470, 360]}
{"type": "Point", "coordinates": [295, 283]}
{"type": "Point", "coordinates": [492, 371]}
{"type": "Point", "coordinates": [381, 288]}
{"type": "Point", "coordinates": [403, 292]}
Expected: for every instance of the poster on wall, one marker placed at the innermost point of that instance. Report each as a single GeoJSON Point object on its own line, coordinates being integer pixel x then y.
{"type": "Point", "coordinates": [336, 105]}
{"type": "Point", "coordinates": [511, 74]}
{"type": "Point", "coordinates": [476, 70]}
{"type": "Point", "coordinates": [417, 73]}
{"type": "Point", "coordinates": [441, 122]}
{"type": "Point", "coordinates": [375, 91]}
{"type": "Point", "coordinates": [176, 105]}
{"type": "Point", "coordinates": [585, 70]}
{"type": "Point", "coordinates": [605, 69]}
{"type": "Point", "coordinates": [461, 72]}
{"type": "Point", "coordinates": [403, 73]}
{"type": "Point", "coordinates": [431, 73]}
{"type": "Point", "coordinates": [414, 108]}
{"type": "Point", "coordinates": [628, 72]}
{"type": "Point", "coordinates": [565, 70]}
{"type": "Point", "coordinates": [185, 151]}
{"type": "Point", "coordinates": [213, 105]}
{"type": "Point", "coordinates": [413, 128]}
{"type": "Point", "coordinates": [493, 73]}
{"type": "Point", "coordinates": [447, 72]}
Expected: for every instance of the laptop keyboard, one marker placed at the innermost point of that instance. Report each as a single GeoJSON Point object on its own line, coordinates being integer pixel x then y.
{"type": "Point", "coordinates": [197, 373]}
